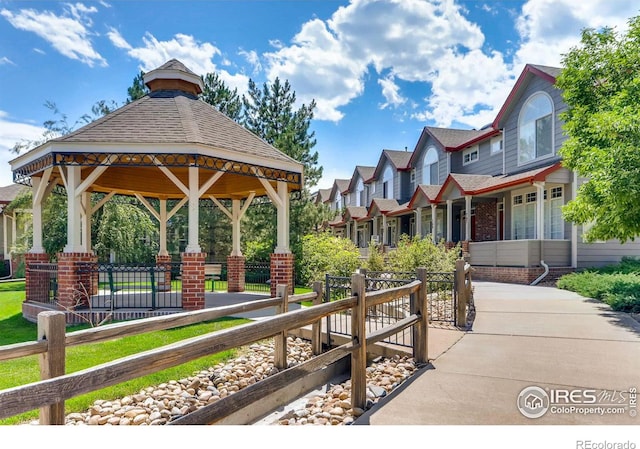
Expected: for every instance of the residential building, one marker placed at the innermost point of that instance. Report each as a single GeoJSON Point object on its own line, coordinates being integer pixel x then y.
{"type": "Point", "coordinates": [498, 190]}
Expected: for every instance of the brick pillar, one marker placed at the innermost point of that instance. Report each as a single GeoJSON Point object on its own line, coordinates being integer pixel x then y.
{"type": "Point", "coordinates": [281, 271]}
{"type": "Point", "coordinates": [193, 281]}
{"type": "Point", "coordinates": [36, 282]}
{"type": "Point", "coordinates": [163, 278]}
{"type": "Point", "coordinates": [235, 273]}
{"type": "Point", "coordinates": [72, 285]}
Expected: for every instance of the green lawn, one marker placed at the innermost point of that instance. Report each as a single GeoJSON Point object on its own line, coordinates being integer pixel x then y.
{"type": "Point", "coordinates": [15, 329]}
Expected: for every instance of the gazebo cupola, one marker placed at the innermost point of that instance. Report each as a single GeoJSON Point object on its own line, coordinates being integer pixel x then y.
{"type": "Point", "coordinates": [167, 145]}
{"type": "Point", "coordinates": [174, 76]}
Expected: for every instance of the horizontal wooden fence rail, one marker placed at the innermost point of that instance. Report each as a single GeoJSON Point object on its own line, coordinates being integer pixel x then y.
{"type": "Point", "coordinates": [50, 393]}
{"type": "Point", "coordinates": [129, 328]}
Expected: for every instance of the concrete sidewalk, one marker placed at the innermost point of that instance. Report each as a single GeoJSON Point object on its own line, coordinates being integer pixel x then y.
{"type": "Point", "coordinates": [525, 336]}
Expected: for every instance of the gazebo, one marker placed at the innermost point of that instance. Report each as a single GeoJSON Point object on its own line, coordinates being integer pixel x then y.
{"type": "Point", "coordinates": [168, 145]}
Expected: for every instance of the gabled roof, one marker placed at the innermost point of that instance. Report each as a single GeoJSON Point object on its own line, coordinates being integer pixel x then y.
{"type": "Point", "coordinates": [323, 195]}
{"type": "Point", "coordinates": [355, 213]}
{"type": "Point", "coordinates": [429, 192]}
{"type": "Point", "coordinates": [402, 209]}
{"type": "Point", "coordinates": [529, 71]}
{"type": "Point", "coordinates": [480, 184]}
{"type": "Point", "coordinates": [382, 205]}
{"type": "Point", "coordinates": [399, 160]}
{"type": "Point", "coordinates": [342, 185]}
{"type": "Point", "coordinates": [457, 139]}
{"type": "Point", "coordinates": [363, 172]}
{"type": "Point", "coordinates": [9, 193]}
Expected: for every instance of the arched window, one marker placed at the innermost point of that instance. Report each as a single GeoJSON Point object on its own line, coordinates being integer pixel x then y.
{"type": "Point", "coordinates": [430, 167]}
{"type": "Point", "coordinates": [535, 128]}
{"type": "Point", "coordinates": [387, 183]}
{"type": "Point", "coordinates": [360, 201]}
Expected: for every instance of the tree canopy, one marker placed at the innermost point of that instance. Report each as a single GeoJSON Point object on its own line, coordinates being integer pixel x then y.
{"type": "Point", "coordinates": [600, 81]}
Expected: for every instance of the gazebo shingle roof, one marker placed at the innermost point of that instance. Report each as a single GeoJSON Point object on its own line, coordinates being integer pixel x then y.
{"type": "Point", "coordinates": [174, 117]}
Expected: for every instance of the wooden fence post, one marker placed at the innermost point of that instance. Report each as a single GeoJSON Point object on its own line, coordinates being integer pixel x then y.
{"type": "Point", "coordinates": [359, 338]}
{"type": "Point", "coordinates": [461, 312]}
{"type": "Point", "coordinates": [316, 327]}
{"type": "Point", "coordinates": [419, 306]}
{"type": "Point", "coordinates": [280, 352]}
{"type": "Point", "coordinates": [52, 327]}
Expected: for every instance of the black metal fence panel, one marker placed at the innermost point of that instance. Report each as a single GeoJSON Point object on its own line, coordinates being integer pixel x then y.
{"type": "Point", "coordinates": [44, 281]}
{"type": "Point", "coordinates": [257, 277]}
{"type": "Point", "coordinates": [134, 286]}
{"type": "Point", "coordinates": [441, 297]}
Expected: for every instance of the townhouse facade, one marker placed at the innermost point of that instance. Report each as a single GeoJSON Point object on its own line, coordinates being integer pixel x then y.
{"type": "Point", "coordinates": [499, 191]}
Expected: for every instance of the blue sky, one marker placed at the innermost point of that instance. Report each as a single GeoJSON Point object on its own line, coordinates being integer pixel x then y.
{"type": "Point", "coordinates": [379, 71]}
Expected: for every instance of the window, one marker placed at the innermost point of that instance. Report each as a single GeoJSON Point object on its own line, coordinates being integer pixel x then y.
{"type": "Point", "coordinates": [524, 216]}
{"type": "Point", "coordinates": [338, 201]}
{"type": "Point", "coordinates": [430, 167]}
{"type": "Point", "coordinates": [387, 183]}
{"type": "Point", "coordinates": [496, 145]}
{"type": "Point", "coordinates": [535, 129]}
{"type": "Point", "coordinates": [553, 222]}
{"type": "Point", "coordinates": [360, 193]}
{"type": "Point", "coordinates": [470, 155]}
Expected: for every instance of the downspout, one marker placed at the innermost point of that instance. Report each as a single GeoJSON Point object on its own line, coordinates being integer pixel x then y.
{"type": "Point", "coordinates": [546, 267]}
{"type": "Point", "coordinates": [541, 235]}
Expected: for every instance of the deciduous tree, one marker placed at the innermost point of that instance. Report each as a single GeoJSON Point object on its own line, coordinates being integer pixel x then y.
{"type": "Point", "coordinates": [600, 81]}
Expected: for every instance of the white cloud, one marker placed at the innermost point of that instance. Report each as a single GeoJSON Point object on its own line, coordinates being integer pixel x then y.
{"type": "Point", "coordinates": [391, 92]}
{"type": "Point", "coordinates": [328, 61]}
{"type": "Point", "coordinates": [39, 51]}
{"type": "Point", "coordinates": [549, 28]}
{"type": "Point", "coordinates": [5, 60]}
{"type": "Point", "coordinates": [69, 33]}
{"type": "Point", "coordinates": [195, 55]}
{"type": "Point", "coordinates": [12, 132]}
{"type": "Point", "coordinates": [117, 40]}
{"type": "Point", "coordinates": [252, 58]}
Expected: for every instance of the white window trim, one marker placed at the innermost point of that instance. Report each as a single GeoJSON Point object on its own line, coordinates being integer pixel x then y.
{"type": "Point", "coordinates": [553, 131]}
{"type": "Point", "coordinates": [474, 149]}
{"type": "Point", "coordinates": [500, 146]}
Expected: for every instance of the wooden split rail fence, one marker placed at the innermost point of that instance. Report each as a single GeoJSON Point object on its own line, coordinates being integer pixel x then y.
{"type": "Point", "coordinates": [56, 386]}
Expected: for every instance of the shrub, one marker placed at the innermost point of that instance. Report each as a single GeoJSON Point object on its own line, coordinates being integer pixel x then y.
{"type": "Point", "coordinates": [324, 253]}
{"type": "Point", "coordinates": [616, 285]}
{"type": "Point", "coordinates": [375, 261]}
{"type": "Point", "coordinates": [412, 253]}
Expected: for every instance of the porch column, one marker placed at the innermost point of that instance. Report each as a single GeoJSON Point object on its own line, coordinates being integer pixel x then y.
{"type": "Point", "coordinates": [384, 230]}
{"type": "Point", "coordinates": [354, 232]}
{"type": "Point", "coordinates": [434, 224]}
{"type": "Point", "coordinates": [236, 261]}
{"type": "Point", "coordinates": [418, 212]}
{"type": "Point", "coordinates": [283, 218]}
{"type": "Point", "coordinates": [193, 245]}
{"type": "Point", "coordinates": [4, 237]}
{"type": "Point", "coordinates": [374, 230]}
{"type": "Point", "coordinates": [282, 258]}
{"type": "Point", "coordinates": [163, 229]}
{"type": "Point", "coordinates": [86, 220]}
{"type": "Point", "coordinates": [37, 218]}
{"type": "Point", "coordinates": [540, 210]}
{"type": "Point", "coordinates": [467, 215]}
{"type": "Point", "coordinates": [193, 257]}
{"type": "Point", "coordinates": [74, 206]}
{"type": "Point", "coordinates": [449, 220]}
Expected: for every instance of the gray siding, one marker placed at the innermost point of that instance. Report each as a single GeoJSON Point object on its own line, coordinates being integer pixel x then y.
{"type": "Point", "coordinates": [604, 253]}
{"type": "Point", "coordinates": [442, 162]}
{"type": "Point", "coordinates": [487, 163]}
{"type": "Point", "coordinates": [537, 84]}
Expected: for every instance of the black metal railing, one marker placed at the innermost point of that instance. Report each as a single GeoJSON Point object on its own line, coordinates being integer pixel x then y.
{"type": "Point", "coordinates": [441, 297]}
{"type": "Point", "coordinates": [257, 277]}
{"type": "Point", "coordinates": [132, 286]}
{"type": "Point", "coordinates": [43, 282]}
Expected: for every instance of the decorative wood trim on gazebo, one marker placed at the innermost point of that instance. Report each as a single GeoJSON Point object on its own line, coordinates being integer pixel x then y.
{"type": "Point", "coordinates": [167, 145]}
